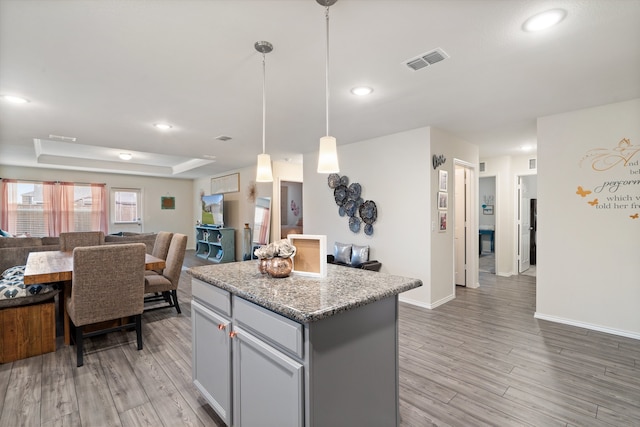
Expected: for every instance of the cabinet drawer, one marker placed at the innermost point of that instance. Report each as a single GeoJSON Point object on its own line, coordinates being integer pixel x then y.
{"type": "Point", "coordinates": [211, 296]}
{"type": "Point", "coordinates": [278, 330]}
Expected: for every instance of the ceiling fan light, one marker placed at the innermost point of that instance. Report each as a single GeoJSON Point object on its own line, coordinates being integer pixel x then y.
{"type": "Point", "coordinates": [328, 156]}
{"type": "Point", "coordinates": [263, 173]}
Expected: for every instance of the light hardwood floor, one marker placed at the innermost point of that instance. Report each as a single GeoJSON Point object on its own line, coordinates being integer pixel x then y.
{"type": "Point", "coordinates": [481, 359]}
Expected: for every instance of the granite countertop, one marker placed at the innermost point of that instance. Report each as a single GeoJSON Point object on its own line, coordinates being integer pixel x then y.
{"type": "Point", "coordinates": [304, 299]}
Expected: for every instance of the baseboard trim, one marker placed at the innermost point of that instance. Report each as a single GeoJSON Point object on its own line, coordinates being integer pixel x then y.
{"type": "Point", "coordinates": [585, 325]}
{"type": "Point", "coordinates": [424, 305]}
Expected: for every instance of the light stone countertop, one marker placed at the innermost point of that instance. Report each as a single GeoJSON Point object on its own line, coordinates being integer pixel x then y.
{"type": "Point", "coordinates": [300, 298]}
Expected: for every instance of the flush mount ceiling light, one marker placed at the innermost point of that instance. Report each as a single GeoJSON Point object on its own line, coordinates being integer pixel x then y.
{"type": "Point", "coordinates": [544, 20]}
{"type": "Point", "coordinates": [263, 173]}
{"type": "Point", "coordinates": [361, 90]}
{"type": "Point", "coordinates": [328, 153]}
{"type": "Point", "coordinates": [162, 126]}
{"type": "Point", "coordinates": [125, 156]}
{"type": "Point", "coordinates": [15, 99]}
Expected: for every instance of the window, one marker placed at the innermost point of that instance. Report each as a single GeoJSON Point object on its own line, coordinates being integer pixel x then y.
{"type": "Point", "coordinates": [126, 205]}
{"type": "Point", "coordinates": [39, 209]}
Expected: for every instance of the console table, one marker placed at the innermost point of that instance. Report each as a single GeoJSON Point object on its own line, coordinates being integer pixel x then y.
{"type": "Point", "coordinates": [216, 244]}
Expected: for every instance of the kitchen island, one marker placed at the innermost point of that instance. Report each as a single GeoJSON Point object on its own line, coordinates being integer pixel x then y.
{"type": "Point", "coordinates": [297, 351]}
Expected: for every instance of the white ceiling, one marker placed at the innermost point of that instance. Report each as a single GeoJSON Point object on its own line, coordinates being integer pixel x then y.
{"type": "Point", "coordinates": [104, 71]}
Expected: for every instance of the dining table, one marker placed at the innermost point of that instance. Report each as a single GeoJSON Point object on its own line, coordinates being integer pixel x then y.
{"type": "Point", "coordinates": [57, 266]}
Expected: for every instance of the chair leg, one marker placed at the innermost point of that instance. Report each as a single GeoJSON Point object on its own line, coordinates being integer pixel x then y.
{"type": "Point", "coordinates": [79, 358]}
{"type": "Point", "coordinates": [139, 330]}
{"type": "Point", "coordinates": [174, 294]}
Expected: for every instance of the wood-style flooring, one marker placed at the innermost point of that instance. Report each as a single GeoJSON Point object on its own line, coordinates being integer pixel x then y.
{"type": "Point", "coordinates": [481, 359]}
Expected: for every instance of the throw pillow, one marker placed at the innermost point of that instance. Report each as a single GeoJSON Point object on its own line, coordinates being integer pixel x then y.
{"type": "Point", "coordinates": [17, 271]}
{"type": "Point", "coordinates": [5, 233]}
{"type": "Point", "coordinates": [342, 253]}
{"type": "Point", "coordinates": [359, 254]}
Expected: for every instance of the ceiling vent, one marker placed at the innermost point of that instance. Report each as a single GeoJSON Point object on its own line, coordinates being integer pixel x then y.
{"type": "Point", "coordinates": [223, 138]}
{"type": "Point", "coordinates": [428, 58]}
{"type": "Point", "coordinates": [482, 167]}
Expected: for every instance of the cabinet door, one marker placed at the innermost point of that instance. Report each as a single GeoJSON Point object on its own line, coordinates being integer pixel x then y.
{"type": "Point", "coordinates": [268, 385]}
{"type": "Point", "coordinates": [211, 358]}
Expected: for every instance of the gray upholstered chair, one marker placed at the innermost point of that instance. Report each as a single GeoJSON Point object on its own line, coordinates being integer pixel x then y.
{"type": "Point", "coordinates": [165, 285]}
{"type": "Point", "coordinates": [70, 241]}
{"type": "Point", "coordinates": [160, 248]}
{"type": "Point", "coordinates": [107, 284]}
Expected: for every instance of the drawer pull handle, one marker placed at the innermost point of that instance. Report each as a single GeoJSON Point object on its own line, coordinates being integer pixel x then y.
{"type": "Point", "coordinates": [221, 326]}
{"type": "Point", "coordinates": [232, 334]}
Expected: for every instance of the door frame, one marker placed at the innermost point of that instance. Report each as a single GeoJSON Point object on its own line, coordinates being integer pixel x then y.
{"type": "Point", "coordinates": [516, 240]}
{"type": "Point", "coordinates": [471, 238]}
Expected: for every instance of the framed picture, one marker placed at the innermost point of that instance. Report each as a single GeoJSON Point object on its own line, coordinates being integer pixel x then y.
{"type": "Point", "coordinates": [443, 200]}
{"type": "Point", "coordinates": [487, 210]}
{"type": "Point", "coordinates": [167, 202]}
{"type": "Point", "coordinates": [442, 221]}
{"type": "Point", "coordinates": [442, 180]}
{"type": "Point", "coordinates": [225, 184]}
{"type": "Point", "coordinates": [311, 254]}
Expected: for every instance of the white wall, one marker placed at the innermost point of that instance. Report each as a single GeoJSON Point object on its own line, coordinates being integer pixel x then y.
{"type": "Point", "coordinates": [177, 220]}
{"type": "Point", "coordinates": [588, 270]}
{"type": "Point", "coordinates": [395, 171]}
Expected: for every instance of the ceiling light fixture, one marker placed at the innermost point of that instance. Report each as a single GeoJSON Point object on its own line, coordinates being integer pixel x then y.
{"type": "Point", "coordinates": [328, 154]}
{"type": "Point", "coordinates": [544, 20]}
{"type": "Point", "coordinates": [15, 99]}
{"type": "Point", "coordinates": [361, 90]}
{"type": "Point", "coordinates": [125, 156]}
{"type": "Point", "coordinates": [162, 126]}
{"type": "Point", "coordinates": [263, 172]}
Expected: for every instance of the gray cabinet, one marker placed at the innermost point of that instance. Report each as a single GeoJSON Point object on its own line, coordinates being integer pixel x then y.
{"type": "Point", "coordinates": [216, 244]}
{"type": "Point", "coordinates": [234, 360]}
{"type": "Point", "coordinates": [211, 358]}
{"type": "Point", "coordinates": [267, 384]}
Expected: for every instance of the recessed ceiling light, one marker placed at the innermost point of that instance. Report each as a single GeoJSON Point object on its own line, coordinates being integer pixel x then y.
{"type": "Point", "coordinates": [544, 20]}
{"type": "Point", "coordinates": [361, 90]}
{"type": "Point", "coordinates": [15, 99]}
{"type": "Point", "coordinates": [125, 156]}
{"type": "Point", "coordinates": [162, 126]}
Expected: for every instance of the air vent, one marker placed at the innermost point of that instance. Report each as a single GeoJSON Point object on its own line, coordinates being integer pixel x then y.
{"type": "Point", "coordinates": [63, 138]}
{"type": "Point", "coordinates": [426, 59]}
{"type": "Point", "coordinates": [223, 138]}
{"type": "Point", "coordinates": [481, 166]}
{"type": "Point", "coordinates": [532, 163]}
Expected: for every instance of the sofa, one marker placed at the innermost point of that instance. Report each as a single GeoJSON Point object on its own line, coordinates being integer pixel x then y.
{"type": "Point", "coordinates": [354, 256]}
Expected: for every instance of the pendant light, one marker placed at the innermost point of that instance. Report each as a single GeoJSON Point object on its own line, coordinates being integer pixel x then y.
{"type": "Point", "coordinates": [328, 154]}
{"type": "Point", "coordinates": [263, 173]}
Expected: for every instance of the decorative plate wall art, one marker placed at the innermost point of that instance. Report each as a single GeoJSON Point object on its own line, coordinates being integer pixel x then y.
{"type": "Point", "coordinates": [351, 204]}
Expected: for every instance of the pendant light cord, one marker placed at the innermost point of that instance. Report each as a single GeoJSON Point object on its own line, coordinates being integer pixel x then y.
{"type": "Point", "coordinates": [327, 71]}
{"type": "Point", "coordinates": [264, 101]}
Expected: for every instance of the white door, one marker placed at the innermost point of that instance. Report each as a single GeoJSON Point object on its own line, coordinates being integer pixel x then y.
{"type": "Point", "coordinates": [126, 210]}
{"type": "Point", "coordinates": [524, 225]}
{"type": "Point", "coordinates": [460, 226]}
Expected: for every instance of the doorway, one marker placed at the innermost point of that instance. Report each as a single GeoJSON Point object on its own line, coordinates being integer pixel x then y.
{"type": "Point", "coordinates": [527, 224]}
{"type": "Point", "coordinates": [487, 225]}
{"type": "Point", "coordinates": [291, 208]}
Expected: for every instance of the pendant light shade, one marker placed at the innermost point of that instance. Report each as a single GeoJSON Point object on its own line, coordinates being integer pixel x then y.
{"type": "Point", "coordinates": [328, 153]}
{"type": "Point", "coordinates": [263, 171]}
{"type": "Point", "coordinates": [263, 174]}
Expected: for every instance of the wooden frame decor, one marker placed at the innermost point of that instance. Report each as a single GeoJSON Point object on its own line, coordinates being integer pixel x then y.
{"type": "Point", "coordinates": [167, 202]}
{"type": "Point", "coordinates": [225, 184]}
{"type": "Point", "coordinates": [311, 254]}
{"type": "Point", "coordinates": [442, 180]}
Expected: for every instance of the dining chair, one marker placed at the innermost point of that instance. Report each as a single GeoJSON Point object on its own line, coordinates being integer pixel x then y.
{"type": "Point", "coordinates": [71, 240]}
{"type": "Point", "coordinates": [107, 284]}
{"type": "Point", "coordinates": [160, 249]}
{"type": "Point", "coordinates": [164, 286]}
